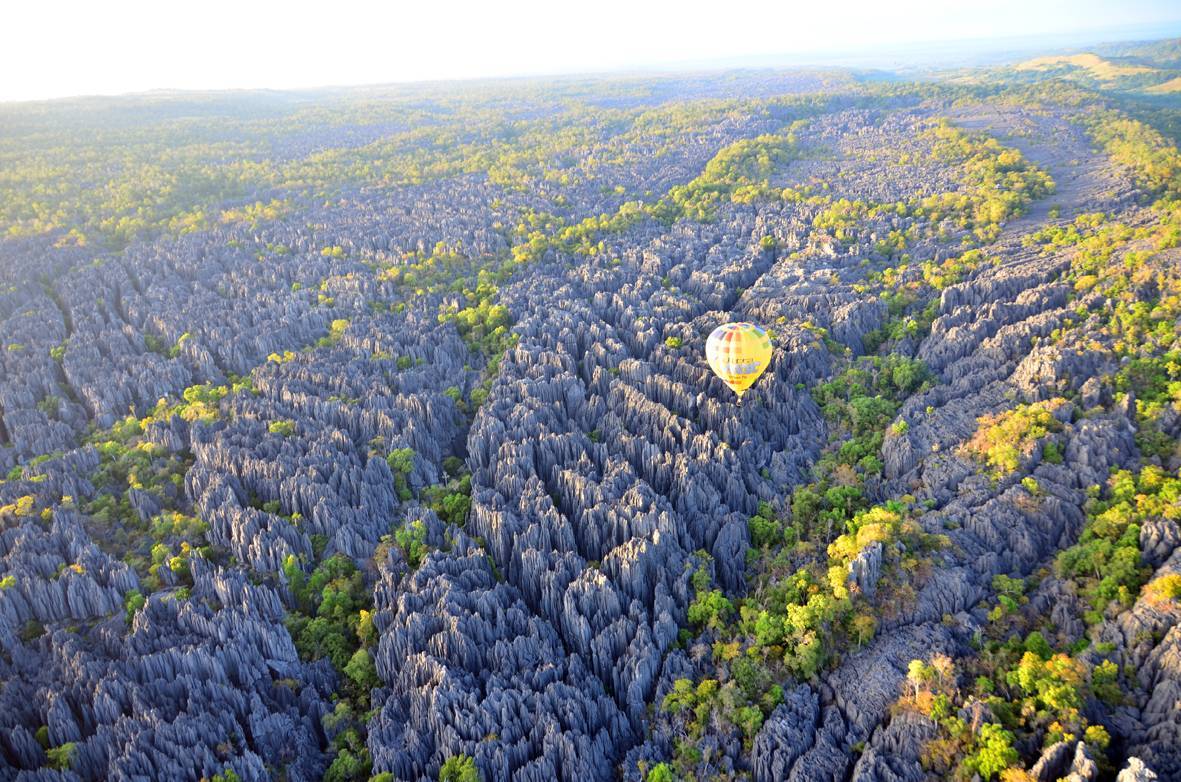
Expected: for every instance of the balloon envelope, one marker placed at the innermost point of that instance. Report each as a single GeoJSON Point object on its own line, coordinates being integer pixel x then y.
{"type": "Point", "coordinates": [738, 353]}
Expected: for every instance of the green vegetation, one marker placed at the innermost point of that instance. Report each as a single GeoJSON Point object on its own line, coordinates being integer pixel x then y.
{"type": "Point", "coordinates": [452, 501]}
{"type": "Point", "coordinates": [107, 183]}
{"type": "Point", "coordinates": [1132, 270]}
{"type": "Point", "coordinates": [328, 603]}
{"type": "Point", "coordinates": [335, 333]}
{"type": "Point", "coordinates": [1021, 688]}
{"type": "Point", "coordinates": [859, 405]}
{"type": "Point", "coordinates": [1163, 590]}
{"type": "Point", "coordinates": [661, 772]}
{"type": "Point", "coordinates": [459, 768]}
{"type": "Point", "coordinates": [61, 758]}
{"type": "Point", "coordinates": [361, 670]}
{"type": "Point", "coordinates": [22, 507]}
{"type": "Point", "coordinates": [485, 325]}
{"type": "Point", "coordinates": [993, 752]}
{"type": "Point", "coordinates": [411, 539]}
{"type": "Point", "coordinates": [1030, 691]}
{"type": "Point", "coordinates": [332, 619]}
{"type": "Point", "coordinates": [401, 462]}
{"type": "Point", "coordinates": [351, 762]}
{"type": "Point", "coordinates": [133, 601]}
{"type": "Point", "coordinates": [999, 183]}
{"type": "Point", "coordinates": [1105, 562]}
{"type": "Point", "coordinates": [953, 270]}
{"type": "Point", "coordinates": [801, 608]}
{"type": "Point", "coordinates": [1142, 149]}
{"type": "Point", "coordinates": [996, 183]}
{"type": "Point", "coordinates": [127, 460]}
{"type": "Point", "coordinates": [739, 172]}
{"type": "Point", "coordinates": [283, 428]}
{"type": "Point", "coordinates": [1004, 440]}
{"type": "Point", "coordinates": [710, 609]}
{"type": "Point", "coordinates": [1135, 275]}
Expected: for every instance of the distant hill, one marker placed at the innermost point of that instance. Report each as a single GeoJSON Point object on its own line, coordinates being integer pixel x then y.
{"type": "Point", "coordinates": [1162, 54]}
{"type": "Point", "coordinates": [1125, 74]}
{"type": "Point", "coordinates": [1102, 69]}
{"type": "Point", "coordinates": [1172, 85]}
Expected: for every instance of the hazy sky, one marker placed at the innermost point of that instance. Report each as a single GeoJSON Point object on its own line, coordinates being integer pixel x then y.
{"type": "Point", "coordinates": [54, 48]}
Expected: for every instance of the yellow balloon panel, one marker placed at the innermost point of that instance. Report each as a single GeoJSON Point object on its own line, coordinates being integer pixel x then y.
{"type": "Point", "coordinates": [738, 353]}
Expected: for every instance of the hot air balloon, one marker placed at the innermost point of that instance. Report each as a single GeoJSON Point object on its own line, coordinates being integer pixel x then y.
{"type": "Point", "coordinates": [738, 353]}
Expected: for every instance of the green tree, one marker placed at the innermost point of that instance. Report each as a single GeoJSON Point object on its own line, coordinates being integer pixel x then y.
{"type": "Point", "coordinates": [864, 626]}
{"type": "Point", "coordinates": [411, 539]}
{"type": "Point", "coordinates": [328, 618]}
{"type": "Point", "coordinates": [361, 670]}
{"type": "Point", "coordinates": [994, 752]}
{"type": "Point", "coordinates": [1105, 683]}
{"type": "Point", "coordinates": [710, 609]}
{"type": "Point", "coordinates": [133, 601]}
{"type": "Point", "coordinates": [61, 758]}
{"type": "Point", "coordinates": [349, 766]}
{"type": "Point", "coordinates": [764, 528]}
{"type": "Point", "coordinates": [459, 768]}
{"type": "Point", "coordinates": [661, 772]}
{"type": "Point", "coordinates": [401, 462]}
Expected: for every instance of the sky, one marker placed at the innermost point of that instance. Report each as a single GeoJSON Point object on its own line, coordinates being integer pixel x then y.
{"type": "Point", "coordinates": [57, 48]}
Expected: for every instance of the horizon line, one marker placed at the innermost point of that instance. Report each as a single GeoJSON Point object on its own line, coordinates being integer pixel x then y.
{"type": "Point", "coordinates": [835, 60]}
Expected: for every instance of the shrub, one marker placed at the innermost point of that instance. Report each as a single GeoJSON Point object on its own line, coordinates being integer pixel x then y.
{"type": "Point", "coordinates": [361, 670]}
{"type": "Point", "coordinates": [452, 502]}
{"type": "Point", "coordinates": [1106, 559]}
{"type": "Point", "coordinates": [1054, 683]}
{"type": "Point", "coordinates": [661, 772]}
{"type": "Point", "coordinates": [133, 601]}
{"type": "Point", "coordinates": [61, 758]}
{"type": "Point", "coordinates": [1003, 440]}
{"type": "Point", "coordinates": [994, 752]}
{"type": "Point", "coordinates": [327, 620]}
{"type": "Point", "coordinates": [348, 766]}
{"type": "Point", "coordinates": [459, 768]}
{"type": "Point", "coordinates": [864, 627]}
{"type": "Point", "coordinates": [1105, 683]}
{"type": "Point", "coordinates": [411, 539]}
{"type": "Point", "coordinates": [1158, 591]}
{"type": "Point", "coordinates": [1097, 736]}
{"type": "Point", "coordinates": [710, 609]}
{"type": "Point", "coordinates": [764, 529]}
{"type": "Point", "coordinates": [401, 463]}
{"type": "Point", "coordinates": [1036, 643]}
